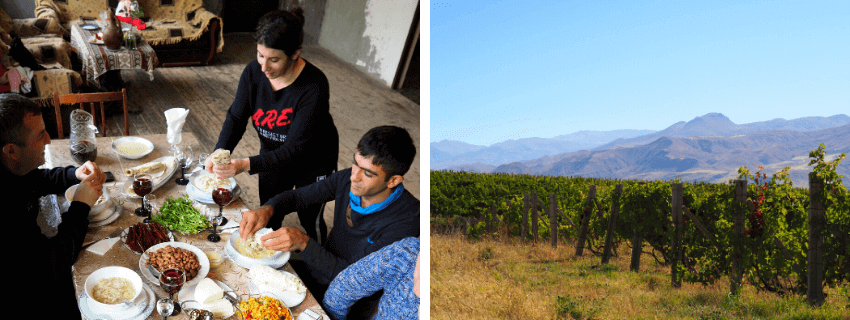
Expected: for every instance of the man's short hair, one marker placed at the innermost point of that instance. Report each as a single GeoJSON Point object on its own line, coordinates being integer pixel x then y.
{"type": "Point", "coordinates": [389, 147]}
{"type": "Point", "coordinates": [13, 109]}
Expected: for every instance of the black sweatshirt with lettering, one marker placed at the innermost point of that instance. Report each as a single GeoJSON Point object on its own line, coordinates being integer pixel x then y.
{"type": "Point", "coordinates": [298, 138]}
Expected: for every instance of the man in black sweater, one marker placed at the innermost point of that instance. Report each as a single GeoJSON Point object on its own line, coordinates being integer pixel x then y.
{"type": "Point", "coordinates": [372, 210]}
{"type": "Point", "coordinates": [44, 262]}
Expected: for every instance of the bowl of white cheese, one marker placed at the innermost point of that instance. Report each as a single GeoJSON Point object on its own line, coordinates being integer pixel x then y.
{"type": "Point", "coordinates": [99, 205]}
{"type": "Point", "coordinates": [132, 147]}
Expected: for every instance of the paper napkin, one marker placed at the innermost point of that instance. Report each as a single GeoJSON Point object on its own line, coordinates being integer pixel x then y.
{"type": "Point", "coordinates": [102, 246]}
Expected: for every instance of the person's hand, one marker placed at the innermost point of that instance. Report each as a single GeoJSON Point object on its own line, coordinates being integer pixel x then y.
{"type": "Point", "coordinates": [236, 166]}
{"type": "Point", "coordinates": [208, 164]}
{"type": "Point", "coordinates": [88, 192]}
{"type": "Point", "coordinates": [90, 170]}
{"type": "Point", "coordinates": [253, 220]}
{"type": "Point", "coordinates": [285, 239]}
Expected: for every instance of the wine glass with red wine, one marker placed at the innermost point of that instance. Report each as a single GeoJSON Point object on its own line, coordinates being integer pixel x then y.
{"type": "Point", "coordinates": [171, 280]}
{"type": "Point", "coordinates": [142, 185]}
{"type": "Point", "coordinates": [222, 197]}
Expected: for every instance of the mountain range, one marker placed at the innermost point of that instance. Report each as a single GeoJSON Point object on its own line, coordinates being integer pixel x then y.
{"type": "Point", "coordinates": [708, 148]}
{"type": "Point", "coordinates": [457, 155]}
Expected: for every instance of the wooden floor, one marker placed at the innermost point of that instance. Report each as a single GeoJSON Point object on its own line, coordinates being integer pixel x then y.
{"type": "Point", "coordinates": [357, 103]}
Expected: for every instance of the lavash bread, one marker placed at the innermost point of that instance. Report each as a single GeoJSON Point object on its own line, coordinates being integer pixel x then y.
{"type": "Point", "coordinates": [148, 168]}
{"type": "Point", "coordinates": [221, 157]}
{"type": "Point", "coordinates": [265, 275]}
{"type": "Point", "coordinates": [257, 235]}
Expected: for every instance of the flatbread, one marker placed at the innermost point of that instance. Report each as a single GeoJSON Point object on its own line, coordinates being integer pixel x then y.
{"type": "Point", "coordinates": [221, 157]}
{"type": "Point", "coordinates": [148, 168]}
{"type": "Point", "coordinates": [208, 182]}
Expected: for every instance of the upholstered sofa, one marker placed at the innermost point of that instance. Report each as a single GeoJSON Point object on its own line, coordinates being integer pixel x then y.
{"type": "Point", "coordinates": [43, 39]}
{"type": "Point", "coordinates": [181, 32]}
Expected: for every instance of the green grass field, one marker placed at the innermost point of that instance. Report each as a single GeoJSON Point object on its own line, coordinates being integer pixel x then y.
{"type": "Point", "coordinates": [510, 279]}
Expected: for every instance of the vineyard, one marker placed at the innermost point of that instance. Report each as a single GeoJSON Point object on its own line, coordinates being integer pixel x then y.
{"type": "Point", "coordinates": [758, 228]}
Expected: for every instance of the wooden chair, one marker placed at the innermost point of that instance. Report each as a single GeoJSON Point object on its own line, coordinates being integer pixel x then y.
{"type": "Point", "coordinates": [90, 98]}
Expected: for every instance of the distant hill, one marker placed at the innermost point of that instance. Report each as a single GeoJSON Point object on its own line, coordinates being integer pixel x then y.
{"type": "Point", "coordinates": [474, 167]}
{"type": "Point", "coordinates": [449, 154]}
{"type": "Point", "coordinates": [716, 124]}
{"type": "Point", "coordinates": [711, 158]}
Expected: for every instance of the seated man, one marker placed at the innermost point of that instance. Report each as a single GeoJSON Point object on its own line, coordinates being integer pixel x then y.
{"type": "Point", "coordinates": [394, 269]}
{"type": "Point", "coordinates": [372, 210]}
{"type": "Point", "coordinates": [45, 262]}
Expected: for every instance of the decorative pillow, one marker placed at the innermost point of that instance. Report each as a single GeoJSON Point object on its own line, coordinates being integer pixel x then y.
{"type": "Point", "coordinates": [24, 28]}
{"type": "Point", "coordinates": [48, 48]}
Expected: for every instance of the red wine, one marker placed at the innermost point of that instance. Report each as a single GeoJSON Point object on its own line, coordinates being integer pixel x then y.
{"type": "Point", "coordinates": [222, 196]}
{"type": "Point", "coordinates": [142, 186]}
{"type": "Point", "coordinates": [84, 151]}
{"type": "Point", "coordinates": [171, 281]}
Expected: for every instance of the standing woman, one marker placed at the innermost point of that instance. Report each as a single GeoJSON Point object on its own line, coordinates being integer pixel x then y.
{"type": "Point", "coordinates": [286, 99]}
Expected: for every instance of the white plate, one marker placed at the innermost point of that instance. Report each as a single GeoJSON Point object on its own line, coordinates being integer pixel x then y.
{"type": "Point", "coordinates": [143, 141]}
{"type": "Point", "coordinates": [114, 213]}
{"type": "Point", "coordinates": [89, 26]}
{"type": "Point", "coordinates": [289, 298]}
{"type": "Point", "coordinates": [188, 293]}
{"type": "Point", "coordinates": [202, 259]}
{"type": "Point", "coordinates": [159, 178]}
{"type": "Point", "coordinates": [142, 307]}
{"type": "Point", "coordinates": [104, 214]}
{"type": "Point", "coordinates": [247, 262]}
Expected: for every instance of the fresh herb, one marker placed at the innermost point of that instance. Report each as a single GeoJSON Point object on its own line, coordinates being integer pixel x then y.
{"type": "Point", "coordinates": [178, 214]}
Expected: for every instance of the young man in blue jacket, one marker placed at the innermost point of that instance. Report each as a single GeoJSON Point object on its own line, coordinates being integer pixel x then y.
{"type": "Point", "coordinates": [372, 210]}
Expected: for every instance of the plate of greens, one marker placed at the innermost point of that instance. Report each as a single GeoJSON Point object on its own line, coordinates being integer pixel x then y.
{"type": "Point", "coordinates": [178, 214]}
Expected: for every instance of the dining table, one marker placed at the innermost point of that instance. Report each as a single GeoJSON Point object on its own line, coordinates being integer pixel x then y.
{"type": "Point", "coordinates": [229, 272]}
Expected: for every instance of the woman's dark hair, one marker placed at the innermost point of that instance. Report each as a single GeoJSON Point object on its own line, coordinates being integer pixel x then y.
{"type": "Point", "coordinates": [282, 30]}
{"type": "Point", "coordinates": [13, 109]}
{"type": "Point", "coordinates": [389, 147]}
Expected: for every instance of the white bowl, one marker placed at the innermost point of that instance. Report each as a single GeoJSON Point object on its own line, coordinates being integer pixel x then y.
{"type": "Point", "coordinates": [145, 143]}
{"type": "Point", "coordinates": [97, 208]}
{"type": "Point", "coordinates": [110, 272]}
{"type": "Point", "coordinates": [235, 237]}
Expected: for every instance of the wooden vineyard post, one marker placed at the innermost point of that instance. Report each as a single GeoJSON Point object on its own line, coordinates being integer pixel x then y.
{"type": "Point", "coordinates": [814, 291]}
{"type": "Point", "coordinates": [585, 221]}
{"type": "Point", "coordinates": [553, 219]}
{"type": "Point", "coordinates": [487, 224]}
{"type": "Point", "coordinates": [525, 205]}
{"type": "Point", "coordinates": [676, 245]}
{"type": "Point", "coordinates": [637, 242]}
{"type": "Point", "coordinates": [504, 216]}
{"type": "Point", "coordinates": [534, 216]}
{"type": "Point", "coordinates": [494, 212]}
{"type": "Point", "coordinates": [701, 227]}
{"type": "Point", "coordinates": [738, 236]}
{"type": "Point", "coordinates": [612, 224]}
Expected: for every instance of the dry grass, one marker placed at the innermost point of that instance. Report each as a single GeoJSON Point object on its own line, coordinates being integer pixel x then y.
{"type": "Point", "coordinates": [512, 279]}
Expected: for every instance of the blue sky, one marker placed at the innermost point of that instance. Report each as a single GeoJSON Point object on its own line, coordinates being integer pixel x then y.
{"type": "Point", "coordinates": [510, 69]}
